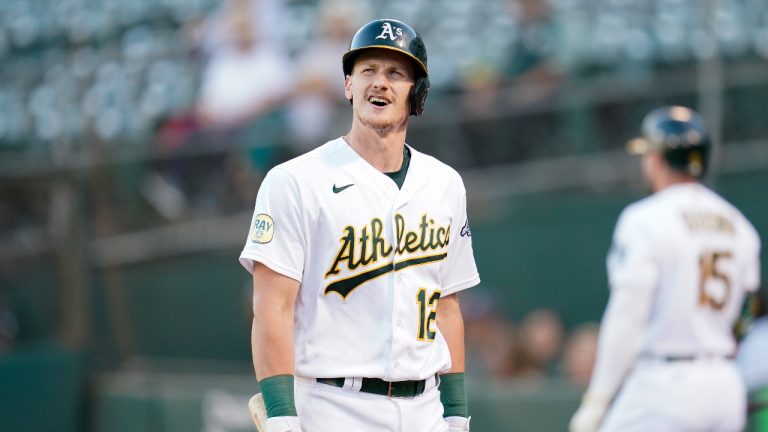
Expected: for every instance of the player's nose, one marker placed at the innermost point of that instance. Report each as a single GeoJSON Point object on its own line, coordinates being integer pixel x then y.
{"type": "Point", "coordinates": [380, 80]}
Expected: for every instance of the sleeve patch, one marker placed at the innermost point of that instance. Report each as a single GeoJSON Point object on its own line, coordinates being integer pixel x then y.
{"type": "Point", "coordinates": [465, 231]}
{"type": "Point", "coordinates": [263, 229]}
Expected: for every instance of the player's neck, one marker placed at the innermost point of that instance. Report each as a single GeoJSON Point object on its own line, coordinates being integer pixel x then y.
{"type": "Point", "coordinates": [383, 152]}
{"type": "Point", "coordinates": [672, 179]}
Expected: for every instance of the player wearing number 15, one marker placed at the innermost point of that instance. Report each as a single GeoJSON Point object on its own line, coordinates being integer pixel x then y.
{"type": "Point", "coordinates": [358, 250]}
{"type": "Point", "coordinates": [681, 264]}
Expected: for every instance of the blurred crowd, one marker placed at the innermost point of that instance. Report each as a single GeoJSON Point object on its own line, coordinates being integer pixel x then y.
{"type": "Point", "coordinates": [269, 94]}
{"type": "Point", "coordinates": [211, 94]}
{"type": "Point", "coordinates": [258, 103]}
{"type": "Point", "coordinates": [537, 346]}
{"type": "Point", "coordinates": [540, 346]}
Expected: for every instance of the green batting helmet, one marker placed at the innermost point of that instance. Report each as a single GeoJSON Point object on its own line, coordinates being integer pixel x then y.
{"type": "Point", "coordinates": [678, 133]}
{"type": "Point", "coordinates": [397, 36]}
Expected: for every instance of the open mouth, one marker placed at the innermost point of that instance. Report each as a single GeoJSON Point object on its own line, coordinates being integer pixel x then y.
{"type": "Point", "coordinates": [378, 101]}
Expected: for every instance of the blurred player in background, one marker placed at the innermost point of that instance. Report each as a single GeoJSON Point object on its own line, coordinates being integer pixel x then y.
{"type": "Point", "coordinates": [357, 251]}
{"type": "Point", "coordinates": [681, 263]}
{"type": "Point", "coordinates": [753, 364]}
{"type": "Point", "coordinates": [752, 359]}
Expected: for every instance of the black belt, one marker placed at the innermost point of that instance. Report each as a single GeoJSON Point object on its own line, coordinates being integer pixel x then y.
{"type": "Point", "coordinates": [679, 358]}
{"type": "Point", "coordinates": [381, 387]}
{"type": "Point", "coordinates": [683, 358]}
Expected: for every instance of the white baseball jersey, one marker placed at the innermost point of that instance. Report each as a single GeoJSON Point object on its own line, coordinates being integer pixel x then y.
{"type": "Point", "coordinates": [373, 260]}
{"type": "Point", "coordinates": [697, 255]}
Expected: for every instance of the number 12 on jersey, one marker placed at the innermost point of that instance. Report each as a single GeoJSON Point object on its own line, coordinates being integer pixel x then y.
{"type": "Point", "coordinates": [427, 318]}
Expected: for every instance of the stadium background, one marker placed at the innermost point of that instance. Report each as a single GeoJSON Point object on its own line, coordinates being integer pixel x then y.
{"type": "Point", "coordinates": [122, 306]}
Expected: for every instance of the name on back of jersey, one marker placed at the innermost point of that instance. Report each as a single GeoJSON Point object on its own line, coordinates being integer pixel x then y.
{"type": "Point", "coordinates": [708, 222]}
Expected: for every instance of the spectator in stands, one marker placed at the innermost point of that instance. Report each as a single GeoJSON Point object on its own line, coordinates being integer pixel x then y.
{"type": "Point", "coordinates": [314, 113]}
{"type": "Point", "coordinates": [245, 79]}
{"type": "Point", "coordinates": [579, 354]}
{"type": "Point", "coordinates": [490, 337]}
{"type": "Point", "coordinates": [541, 339]}
{"type": "Point", "coordinates": [245, 83]}
{"type": "Point", "coordinates": [493, 347]}
{"type": "Point", "coordinates": [268, 19]}
{"type": "Point", "coordinates": [531, 59]}
{"type": "Point", "coordinates": [529, 75]}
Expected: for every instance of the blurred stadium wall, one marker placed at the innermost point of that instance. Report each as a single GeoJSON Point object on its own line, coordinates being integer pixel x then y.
{"type": "Point", "coordinates": [117, 313]}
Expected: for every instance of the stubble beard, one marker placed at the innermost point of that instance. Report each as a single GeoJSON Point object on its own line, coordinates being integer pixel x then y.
{"type": "Point", "coordinates": [382, 126]}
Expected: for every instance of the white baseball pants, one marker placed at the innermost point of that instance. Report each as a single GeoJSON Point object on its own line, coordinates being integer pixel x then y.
{"type": "Point", "coordinates": [702, 395]}
{"type": "Point", "coordinates": [325, 408]}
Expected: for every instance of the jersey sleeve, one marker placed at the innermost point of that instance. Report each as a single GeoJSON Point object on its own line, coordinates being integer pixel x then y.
{"type": "Point", "coordinates": [631, 261]}
{"type": "Point", "coordinates": [276, 237]}
{"type": "Point", "coordinates": [632, 275]}
{"type": "Point", "coordinates": [459, 270]}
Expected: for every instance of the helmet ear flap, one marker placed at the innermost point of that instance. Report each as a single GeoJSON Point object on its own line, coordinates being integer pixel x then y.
{"type": "Point", "coordinates": [418, 96]}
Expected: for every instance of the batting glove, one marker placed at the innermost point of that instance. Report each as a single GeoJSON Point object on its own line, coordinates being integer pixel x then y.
{"type": "Point", "coordinates": [458, 424]}
{"type": "Point", "coordinates": [282, 424]}
{"type": "Point", "coordinates": [589, 415]}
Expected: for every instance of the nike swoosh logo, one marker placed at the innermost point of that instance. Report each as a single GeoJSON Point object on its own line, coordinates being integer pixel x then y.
{"type": "Point", "coordinates": [339, 189]}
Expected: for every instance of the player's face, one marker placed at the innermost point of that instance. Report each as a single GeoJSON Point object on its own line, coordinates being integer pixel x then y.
{"type": "Point", "coordinates": [379, 86]}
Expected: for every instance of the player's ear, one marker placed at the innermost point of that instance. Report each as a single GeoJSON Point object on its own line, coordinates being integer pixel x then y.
{"type": "Point", "coordinates": [652, 159]}
{"type": "Point", "coordinates": [348, 87]}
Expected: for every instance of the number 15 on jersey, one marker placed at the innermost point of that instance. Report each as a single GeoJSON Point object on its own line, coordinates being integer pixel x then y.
{"type": "Point", "coordinates": [712, 277]}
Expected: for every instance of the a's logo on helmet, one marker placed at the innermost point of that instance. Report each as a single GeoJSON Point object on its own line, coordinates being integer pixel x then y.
{"type": "Point", "coordinates": [695, 163]}
{"type": "Point", "coordinates": [388, 32]}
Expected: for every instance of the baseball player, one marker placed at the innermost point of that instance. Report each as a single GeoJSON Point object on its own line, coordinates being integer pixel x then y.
{"type": "Point", "coordinates": [681, 263]}
{"type": "Point", "coordinates": [357, 250]}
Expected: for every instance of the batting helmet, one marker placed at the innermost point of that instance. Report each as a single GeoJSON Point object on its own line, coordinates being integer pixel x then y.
{"type": "Point", "coordinates": [678, 133]}
{"type": "Point", "coordinates": [397, 36]}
